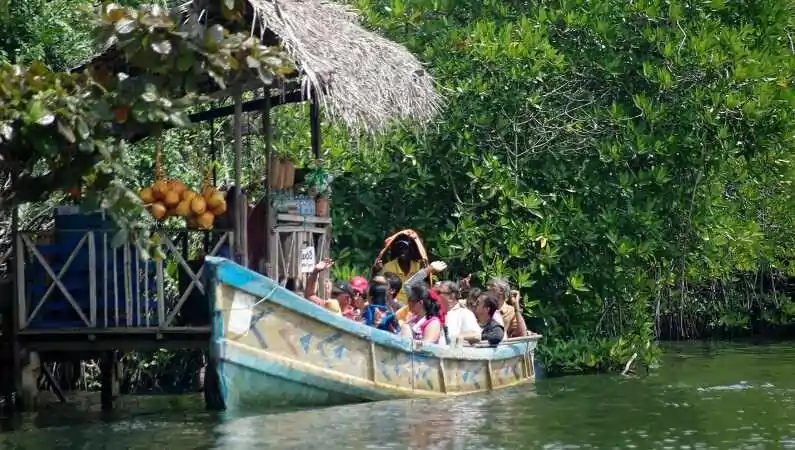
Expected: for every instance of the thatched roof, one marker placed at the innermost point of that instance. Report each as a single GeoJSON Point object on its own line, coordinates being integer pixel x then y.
{"type": "Point", "coordinates": [361, 79]}
{"type": "Point", "coordinates": [363, 76]}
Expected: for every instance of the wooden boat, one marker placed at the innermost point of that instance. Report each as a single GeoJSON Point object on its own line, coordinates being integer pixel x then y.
{"type": "Point", "coordinates": [273, 348]}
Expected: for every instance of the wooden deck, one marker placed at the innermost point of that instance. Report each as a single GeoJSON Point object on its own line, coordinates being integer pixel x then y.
{"type": "Point", "coordinates": [74, 290]}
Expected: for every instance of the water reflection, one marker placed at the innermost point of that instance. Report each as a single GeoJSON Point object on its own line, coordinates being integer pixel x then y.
{"type": "Point", "coordinates": [703, 397]}
{"type": "Point", "coordinates": [417, 424]}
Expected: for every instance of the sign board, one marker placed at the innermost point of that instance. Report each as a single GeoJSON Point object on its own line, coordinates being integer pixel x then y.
{"type": "Point", "coordinates": [307, 259]}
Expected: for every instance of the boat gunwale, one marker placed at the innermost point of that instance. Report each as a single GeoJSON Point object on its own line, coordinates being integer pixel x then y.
{"type": "Point", "coordinates": [226, 272]}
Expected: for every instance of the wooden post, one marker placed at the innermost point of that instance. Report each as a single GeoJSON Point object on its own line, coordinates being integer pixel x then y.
{"type": "Point", "coordinates": [18, 306]}
{"type": "Point", "coordinates": [314, 124]}
{"type": "Point", "coordinates": [27, 387]}
{"type": "Point", "coordinates": [267, 128]}
{"type": "Point", "coordinates": [109, 368]}
{"type": "Point", "coordinates": [241, 210]}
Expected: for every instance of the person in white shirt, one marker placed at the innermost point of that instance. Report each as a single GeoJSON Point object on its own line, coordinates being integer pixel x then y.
{"type": "Point", "coordinates": [462, 325]}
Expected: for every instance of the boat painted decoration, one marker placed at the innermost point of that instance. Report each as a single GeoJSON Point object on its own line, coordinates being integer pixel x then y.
{"type": "Point", "coordinates": [272, 348]}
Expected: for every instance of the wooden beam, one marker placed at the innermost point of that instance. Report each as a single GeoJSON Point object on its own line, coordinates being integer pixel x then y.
{"type": "Point", "coordinates": [54, 384]}
{"type": "Point", "coordinates": [249, 106]}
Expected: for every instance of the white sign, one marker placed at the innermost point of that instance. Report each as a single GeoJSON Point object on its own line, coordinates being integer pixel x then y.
{"type": "Point", "coordinates": [307, 259]}
{"type": "Point", "coordinates": [241, 312]}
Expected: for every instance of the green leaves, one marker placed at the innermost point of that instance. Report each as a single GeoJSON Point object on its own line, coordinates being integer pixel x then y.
{"type": "Point", "coordinates": [588, 147]}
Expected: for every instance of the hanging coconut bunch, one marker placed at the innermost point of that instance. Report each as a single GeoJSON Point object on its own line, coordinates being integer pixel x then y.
{"type": "Point", "coordinates": [205, 206]}
{"type": "Point", "coordinates": [163, 195]}
{"type": "Point", "coordinates": [167, 198]}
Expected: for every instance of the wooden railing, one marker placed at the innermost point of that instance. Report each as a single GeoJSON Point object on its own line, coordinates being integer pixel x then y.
{"type": "Point", "coordinates": [77, 279]}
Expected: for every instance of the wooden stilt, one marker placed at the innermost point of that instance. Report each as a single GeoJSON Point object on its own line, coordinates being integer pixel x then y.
{"type": "Point", "coordinates": [109, 368]}
{"type": "Point", "coordinates": [27, 388]}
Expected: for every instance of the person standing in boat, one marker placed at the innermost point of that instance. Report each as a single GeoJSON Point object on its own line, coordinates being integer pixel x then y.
{"type": "Point", "coordinates": [406, 263]}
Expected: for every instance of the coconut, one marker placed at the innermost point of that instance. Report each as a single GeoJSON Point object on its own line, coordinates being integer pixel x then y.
{"type": "Point", "coordinates": [198, 206]}
{"type": "Point", "coordinates": [146, 195]}
{"type": "Point", "coordinates": [205, 221]}
{"type": "Point", "coordinates": [158, 211]}
{"type": "Point", "coordinates": [171, 199]}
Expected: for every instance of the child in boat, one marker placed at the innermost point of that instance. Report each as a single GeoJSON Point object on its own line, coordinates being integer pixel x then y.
{"type": "Point", "coordinates": [395, 285]}
{"type": "Point", "coordinates": [377, 313]}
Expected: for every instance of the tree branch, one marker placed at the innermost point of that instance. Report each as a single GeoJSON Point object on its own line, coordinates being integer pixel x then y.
{"type": "Point", "coordinates": [30, 188]}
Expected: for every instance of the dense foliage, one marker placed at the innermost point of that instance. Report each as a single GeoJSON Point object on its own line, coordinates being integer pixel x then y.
{"type": "Point", "coordinates": [627, 164]}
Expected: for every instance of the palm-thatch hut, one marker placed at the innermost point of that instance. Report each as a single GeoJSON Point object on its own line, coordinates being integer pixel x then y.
{"type": "Point", "coordinates": [351, 75]}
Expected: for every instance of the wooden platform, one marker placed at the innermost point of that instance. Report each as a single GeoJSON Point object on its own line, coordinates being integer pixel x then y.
{"type": "Point", "coordinates": [123, 339]}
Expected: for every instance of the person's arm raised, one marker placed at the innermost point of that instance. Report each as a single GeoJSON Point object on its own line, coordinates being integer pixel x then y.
{"type": "Point", "coordinates": [521, 326]}
{"type": "Point", "coordinates": [311, 281]}
{"type": "Point", "coordinates": [422, 274]}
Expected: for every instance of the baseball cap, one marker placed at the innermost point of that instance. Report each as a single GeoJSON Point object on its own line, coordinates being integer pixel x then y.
{"type": "Point", "coordinates": [359, 284]}
{"type": "Point", "coordinates": [341, 287]}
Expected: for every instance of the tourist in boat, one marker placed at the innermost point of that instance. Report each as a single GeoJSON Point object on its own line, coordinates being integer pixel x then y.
{"type": "Point", "coordinates": [461, 323]}
{"type": "Point", "coordinates": [359, 287]}
{"type": "Point", "coordinates": [471, 298]}
{"type": "Point", "coordinates": [510, 314]}
{"type": "Point", "coordinates": [336, 296]}
{"type": "Point", "coordinates": [377, 312]}
{"type": "Point", "coordinates": [492, 332]}
{"type": "Point", "coordinates": [435, 267]}
{"type": "Point", "coordinates": [395, 285]}
{"type": "Point", "coordinates": [425, 322]}
{"type": "Point", "coordinates": [405, 264]}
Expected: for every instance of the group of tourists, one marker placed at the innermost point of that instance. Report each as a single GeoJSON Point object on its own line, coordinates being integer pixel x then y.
{"type": "Point", "coordinates": [402, 297]}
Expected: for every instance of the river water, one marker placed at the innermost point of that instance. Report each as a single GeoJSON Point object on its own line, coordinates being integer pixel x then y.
{"type": "Point", "coordinates": [703, 396]}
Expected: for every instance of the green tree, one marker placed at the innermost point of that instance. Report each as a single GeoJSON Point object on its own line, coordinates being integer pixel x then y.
{"type": "Point", "coordinates": [615, 159]}
{"type": "Point", "coordinates": [59, 130]}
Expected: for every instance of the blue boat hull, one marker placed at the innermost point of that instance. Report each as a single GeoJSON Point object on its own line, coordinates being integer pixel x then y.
{"type": "Point", "coordinates": [271, 348]}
